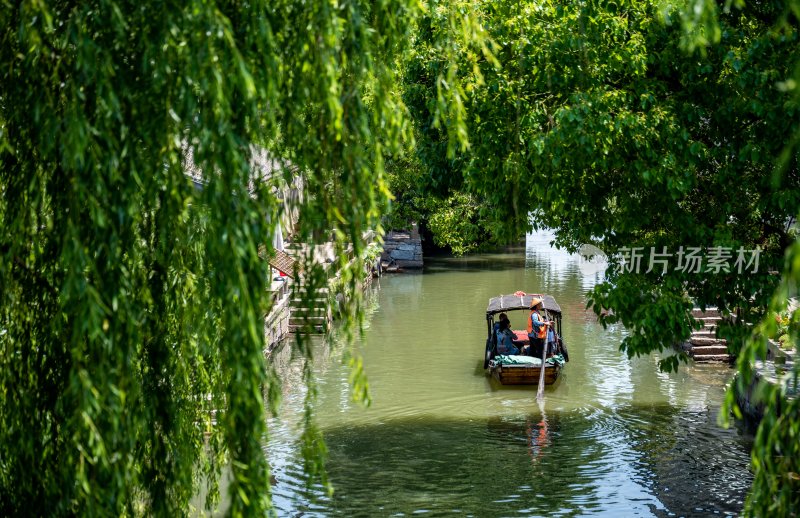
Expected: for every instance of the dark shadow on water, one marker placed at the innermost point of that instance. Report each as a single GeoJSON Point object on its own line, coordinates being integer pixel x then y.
{"type": "Point", "coordinates": [644, 460]}
{"type": "Point", "coordinates": [509, 258]}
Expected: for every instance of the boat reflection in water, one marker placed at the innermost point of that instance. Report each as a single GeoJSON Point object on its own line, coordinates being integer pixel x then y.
{"type": "Point", "coordinates": [538, 437]}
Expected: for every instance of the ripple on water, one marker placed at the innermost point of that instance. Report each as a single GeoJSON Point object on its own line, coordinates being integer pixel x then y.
{"type": "Point", "coordinates": [583, 461]}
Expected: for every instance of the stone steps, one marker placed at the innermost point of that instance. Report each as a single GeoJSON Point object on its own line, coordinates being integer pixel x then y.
{"type": "Point", "coordinates": [709, 322]}
{"type": "Point", "coordinates": [306, 312]}
{"type": "Point", "coordinates": [701, 340]}
{"type": "Point", "coordinates": [704, 345]}
{"type": "Point", "coordinates": [318, 302]}
{"type": "Point", "coordinates": [317, 322]}
{"type": "Point", "coordinates": [709, 349]}
{"type": "Point", "coordinates": [708, 313]}
{"type": "Point", "coordinates": [315, 314]}
{"type": "Point", "coordinates": [312, 321]}
{"type": "Point", "coordinates": [315, 318]}
{"type": "Point", "coordinates": [712, 358]}
{"type": "Point", "coordinates": [316, 330]}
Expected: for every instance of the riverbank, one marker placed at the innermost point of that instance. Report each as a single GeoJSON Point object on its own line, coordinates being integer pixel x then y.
{"type": "Point", "coordinates": [288, 313]}
{"type": "Point", "coordinates": [775, 369]}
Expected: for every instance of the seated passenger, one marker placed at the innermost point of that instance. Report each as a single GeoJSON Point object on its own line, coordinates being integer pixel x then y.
{"type": "Point", "coordinates": [506, 339]}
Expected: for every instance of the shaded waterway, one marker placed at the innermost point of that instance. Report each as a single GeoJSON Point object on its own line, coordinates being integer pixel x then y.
{"type": "Point", "coordinates": [617, 437]}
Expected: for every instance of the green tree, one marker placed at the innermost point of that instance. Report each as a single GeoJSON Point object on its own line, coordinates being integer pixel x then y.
{"type": "Point", "coordinates": [775, 457]}
{"type": "Point", "coordinates": [591, 102]}
{"type": "Point", "coordinates": [600, 125]}
{"type": "Point", "coordinates": [615, 126]}
{"type": "Point", "coordinates": [132, 304]}
{"type": "Point", "coordinates": [425, 183]}
{"type": "Point", "coordinates": [454, 220]}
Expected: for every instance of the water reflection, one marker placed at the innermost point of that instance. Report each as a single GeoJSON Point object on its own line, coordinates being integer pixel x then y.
{"type": "Point", "coordinates": [634, 461]}
{"type": "Point", "coordinates": [561, 267]}
{"type": "Point", "coordinates": [615, 436]}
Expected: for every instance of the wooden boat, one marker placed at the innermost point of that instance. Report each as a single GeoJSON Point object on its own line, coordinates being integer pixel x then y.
{"type": "Point", "coordinates": [523, 370]}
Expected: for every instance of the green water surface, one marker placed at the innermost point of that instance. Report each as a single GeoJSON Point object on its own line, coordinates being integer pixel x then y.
{"type": "Point", "coordinates": [615, 436]}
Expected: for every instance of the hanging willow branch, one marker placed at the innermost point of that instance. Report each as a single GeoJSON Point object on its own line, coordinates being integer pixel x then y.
{"type": "Point", "coordinates": [132, 303]}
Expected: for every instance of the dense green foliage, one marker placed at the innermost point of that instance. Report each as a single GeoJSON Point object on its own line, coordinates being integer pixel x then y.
{"type": "Point", "coordinates": [776, 450]}
{"type": "Point", "coordinates": [615, 126]}
{"type": "Point", "coordinates": [424, 187]}
{"type": "Point", "coordinates": [601, 125]}
{"type": "Point", "coordinates": [455, 222]}
{"type": "Point", "coordinates": [590, 103]}
{"type": "Point", "coordinates": [131, 304]}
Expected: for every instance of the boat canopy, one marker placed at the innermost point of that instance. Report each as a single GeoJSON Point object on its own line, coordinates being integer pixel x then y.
{"type": "Point", "coordinates": [515, 302]}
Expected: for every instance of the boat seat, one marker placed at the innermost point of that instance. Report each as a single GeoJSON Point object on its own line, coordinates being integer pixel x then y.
{"type": "Point", "coordinates": [522, 336]}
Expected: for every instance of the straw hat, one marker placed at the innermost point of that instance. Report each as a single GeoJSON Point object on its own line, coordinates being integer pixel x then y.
{"type": "Point", "coordinates": [535, 302]}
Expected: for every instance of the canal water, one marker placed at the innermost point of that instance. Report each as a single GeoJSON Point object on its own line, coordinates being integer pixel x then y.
{"type": "Point", "coordinates": [615, 437]}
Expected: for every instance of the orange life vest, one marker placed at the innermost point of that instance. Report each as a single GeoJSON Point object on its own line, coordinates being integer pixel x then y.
{"type": "Point", "coordinates": [530, 323]}
{"type": "Point", "coordinates": [541, 332]}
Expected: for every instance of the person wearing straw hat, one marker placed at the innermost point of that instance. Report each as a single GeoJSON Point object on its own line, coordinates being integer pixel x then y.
{"type": "Point", "coordinates": [537, 328]}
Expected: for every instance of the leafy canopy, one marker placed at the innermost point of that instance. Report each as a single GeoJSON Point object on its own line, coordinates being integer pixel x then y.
{"type": "Point", "coordinates": [132, 304]}
{"type": "Point", "coordinates": [616, 128]}
{"type": "Point", "coordinates": [600, 125]}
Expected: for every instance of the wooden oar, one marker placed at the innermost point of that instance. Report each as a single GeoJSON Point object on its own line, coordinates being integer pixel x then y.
{"type": "Point", "coordinates": [540, 392]}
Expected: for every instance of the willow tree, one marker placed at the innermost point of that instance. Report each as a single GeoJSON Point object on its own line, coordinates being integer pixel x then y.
{"type": "Point", "coordinates": [131, 303]}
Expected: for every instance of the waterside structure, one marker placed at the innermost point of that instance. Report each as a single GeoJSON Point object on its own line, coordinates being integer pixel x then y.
{"type": "Point", "coordinates": [288, 313]}
{"type": "Point", "coordinates": [704, 346]}
{"type": "Point", "coordinates": [402, 249]}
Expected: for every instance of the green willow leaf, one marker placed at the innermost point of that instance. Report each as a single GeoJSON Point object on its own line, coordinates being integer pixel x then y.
{"type": "Point", "coordinates": [132, 304]}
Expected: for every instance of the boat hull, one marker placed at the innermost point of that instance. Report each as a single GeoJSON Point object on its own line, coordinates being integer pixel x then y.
{"type": "Point", "coordinates": [525, 374]}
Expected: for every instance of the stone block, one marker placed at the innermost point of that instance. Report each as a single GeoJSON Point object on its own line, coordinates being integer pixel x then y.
{"type": "Point", "coordinates": [410, 264]}
{"type": "Point", "coordinates": [402, 255]}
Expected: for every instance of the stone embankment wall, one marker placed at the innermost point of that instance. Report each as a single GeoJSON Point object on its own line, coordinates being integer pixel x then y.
{"type": "Point", "coordinates": [289, 314]}
{"type": "Point", "coordinates": [776, 368]}
{"type": "Point", "coordinates": [276, 323]}
{"type": "Point", "coordinates": [402, 250]}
